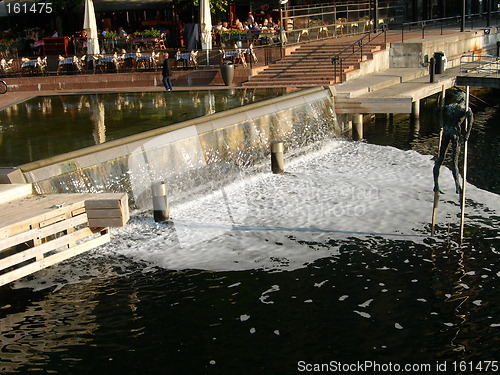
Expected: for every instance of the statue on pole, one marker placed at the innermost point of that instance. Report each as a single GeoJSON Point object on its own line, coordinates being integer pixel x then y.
{"type": "Point", "coordinates": [456, 123]}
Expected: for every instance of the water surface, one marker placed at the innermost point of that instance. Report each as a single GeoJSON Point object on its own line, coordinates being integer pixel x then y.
{"type": "Point", "coordinates": [329, 262]}
{"type": "Point", "coordinates": [47, 126]}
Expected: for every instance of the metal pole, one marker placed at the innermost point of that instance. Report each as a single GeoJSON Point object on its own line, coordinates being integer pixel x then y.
{"type": "Point", "coordinates": [436, 193]}
{"type": "Point", "coordinates": [488, 13]}
{"type": "Point", "coordinates": [464, 173]}
{"type": "Point", "coordinates": [462, 21]}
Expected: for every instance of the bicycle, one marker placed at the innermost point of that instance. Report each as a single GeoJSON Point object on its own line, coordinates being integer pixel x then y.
{"type": "Point", "coordinates": [3, 87]}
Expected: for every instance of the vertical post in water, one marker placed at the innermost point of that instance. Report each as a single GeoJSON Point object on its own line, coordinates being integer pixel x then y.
{"type": "Point", "coordinates": [415, 109]}
{"type": "Point", "coordinates": [464, 173]}
{"type": "Point", "coordinates": [277, 158]}
{"type": "Point", "coordinates": [436, 193]}
{"type": "Point", "coordinates": [160, 203]}
{"type": "Point", "coordinates": [357, 127]}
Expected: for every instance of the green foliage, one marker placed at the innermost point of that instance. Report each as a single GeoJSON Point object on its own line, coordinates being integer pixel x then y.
{"type": "Point", "coordinates": [150, 33]}
{"type": "Point", "coordinates": [234, 32]}
{"type": "Point", "coordinates": [110, 35]}
{"type": "Point", "coordinates": [6, 43]}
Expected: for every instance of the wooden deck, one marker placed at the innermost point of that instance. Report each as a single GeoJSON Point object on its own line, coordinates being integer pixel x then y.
{"type": "Point", "coordinates": [37, 231]}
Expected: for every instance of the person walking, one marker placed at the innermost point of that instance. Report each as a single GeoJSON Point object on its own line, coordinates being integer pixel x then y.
{"type": "Point", "coordinates": [167, 73]}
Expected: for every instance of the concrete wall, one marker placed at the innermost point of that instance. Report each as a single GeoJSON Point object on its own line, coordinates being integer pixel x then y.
{"type": "Point", "coordinates": [415, 53]}
{"type": "Point", "coordinates": [122, 80]}
{"type": "Point", "coordinates": [380, 61]}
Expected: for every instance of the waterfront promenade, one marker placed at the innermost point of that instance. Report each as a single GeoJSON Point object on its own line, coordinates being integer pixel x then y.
{"type": "Point", "coordinates": [393, 82]}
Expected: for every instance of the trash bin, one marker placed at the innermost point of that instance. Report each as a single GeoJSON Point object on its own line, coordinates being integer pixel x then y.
{"type": "Point", "coordinates": [439, 58]}
{"type": "Point", "coordinates": [227, 72]}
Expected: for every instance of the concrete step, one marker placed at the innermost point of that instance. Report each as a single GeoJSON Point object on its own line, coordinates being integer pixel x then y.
{"type": "Point", "coordinates": [284, 83]}
{"type": "Point", "coordinates": [333, 51]}
{"type": "Point", "coordinates": [311, 64]}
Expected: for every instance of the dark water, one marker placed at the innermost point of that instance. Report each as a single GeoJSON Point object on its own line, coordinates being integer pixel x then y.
{"type": "Point", "coordinates": [47, 126]}
{"type": "Point", "coordinates": [390, 302]}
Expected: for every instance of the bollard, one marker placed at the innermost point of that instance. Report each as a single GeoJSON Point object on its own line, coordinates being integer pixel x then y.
{"type": "Point", "coordinates": [432, 67]}
{"type": "Point", "coordinates": [160, 203]}
{"type": "Point", "coordinates": [357, 127]}
{"type": "Point", "coordinates": [498, 49]}
{"type": "Point", "coordinates": [277, 158]}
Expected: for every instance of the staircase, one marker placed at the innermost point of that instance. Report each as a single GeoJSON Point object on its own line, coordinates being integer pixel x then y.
{"type": "Point", "coordinates": [311, 64]}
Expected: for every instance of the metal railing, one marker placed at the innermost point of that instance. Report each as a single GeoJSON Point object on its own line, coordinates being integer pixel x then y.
{"type": "Point", "coordinates": [484, 64]}
{"type": "Point", "coordinates": [356, 47]}
{"type": "Point", "coordinates": [473, 20]}
{"type": "Point", "coordinates": [304, 16]}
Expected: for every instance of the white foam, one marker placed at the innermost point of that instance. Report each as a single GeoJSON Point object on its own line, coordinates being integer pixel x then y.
{"type": "Point", "coordinates": [346, 189]}
{"type": "Point", "coordinates": [281, 222]}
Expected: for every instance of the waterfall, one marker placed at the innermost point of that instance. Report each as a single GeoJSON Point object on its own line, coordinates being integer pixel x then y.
{"type": "Point", "coordinates": [194, 155]}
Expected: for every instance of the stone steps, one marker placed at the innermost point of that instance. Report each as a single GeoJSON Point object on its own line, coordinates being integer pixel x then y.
{"type": "Point", "coordinates": [311, 65]}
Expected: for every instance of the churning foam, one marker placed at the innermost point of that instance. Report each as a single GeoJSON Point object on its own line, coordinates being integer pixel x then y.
{"type": "Point", "coordinates": [282, 222]}
{"type": "Point", "coordinates": [347, 189]}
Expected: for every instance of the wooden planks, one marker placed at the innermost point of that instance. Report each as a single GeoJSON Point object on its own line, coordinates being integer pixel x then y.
{"type": "Point", "coordinates": [107, 212]}
{"type": "Point", "coordinates": [54, 259]}
{"type": "Point", "coordinates": [39, 231]}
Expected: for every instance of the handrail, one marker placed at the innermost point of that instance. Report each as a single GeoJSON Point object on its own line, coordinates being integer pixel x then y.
{"type": "Point", "coordinates": [337, 59]}
{"type": "Point", "coordinates": [484, 64]}
{"type": "Point", "coordinates": [441, 22]}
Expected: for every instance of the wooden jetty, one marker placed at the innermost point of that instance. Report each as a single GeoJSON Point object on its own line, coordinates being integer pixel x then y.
{"type": "Point", "coordinates": [38, 231]}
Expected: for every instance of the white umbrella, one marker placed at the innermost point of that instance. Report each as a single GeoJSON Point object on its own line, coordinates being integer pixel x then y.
{"type": "Point", "coordinates": [90, 25]}
{"type": "Point", "coordinates": [206, 26]}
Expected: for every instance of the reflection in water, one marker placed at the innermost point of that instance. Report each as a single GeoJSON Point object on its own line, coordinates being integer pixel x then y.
{"type": "Point", "coordinates": [99, 132]}
{"type": "Point", "coordinates": [51, 325]}
{"type": "Point", "coordinates": [59, 124]}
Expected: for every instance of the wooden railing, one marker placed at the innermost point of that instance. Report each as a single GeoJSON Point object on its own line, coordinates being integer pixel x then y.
{"type": "Point", "coordinates": [39, 231]}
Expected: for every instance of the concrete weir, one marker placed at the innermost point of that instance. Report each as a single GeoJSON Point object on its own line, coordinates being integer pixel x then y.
{"type": "Point", "coordinates": [183, 155]}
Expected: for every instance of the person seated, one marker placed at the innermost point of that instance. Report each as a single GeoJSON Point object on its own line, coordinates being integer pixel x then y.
{"type": "Point", "coordinates": [239, 25]}
{"type": "Point", "coordinates": [121, 32]}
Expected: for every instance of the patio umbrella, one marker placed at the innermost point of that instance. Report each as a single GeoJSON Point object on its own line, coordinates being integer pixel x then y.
{"type": "Point", "coordinates": [90, 25]}
{"type": "Point", "coordinates": [206, 26]}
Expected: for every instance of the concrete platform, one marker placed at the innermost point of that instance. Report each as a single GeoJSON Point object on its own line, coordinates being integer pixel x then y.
{"type": "Point", "coordinates": [390, 91]}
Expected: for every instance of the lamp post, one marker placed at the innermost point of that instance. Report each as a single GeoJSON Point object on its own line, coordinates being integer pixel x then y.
{"type": "Point", "coordinates": [283, 28]}
{"type": "Point", "coordinates": [462, 23]}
